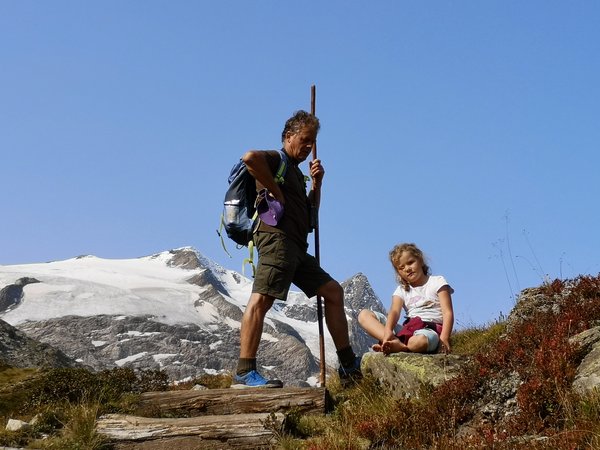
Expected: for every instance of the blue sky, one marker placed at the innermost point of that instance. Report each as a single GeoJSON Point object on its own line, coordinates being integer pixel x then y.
{"type": "Point", "coordinates": [470, 128]}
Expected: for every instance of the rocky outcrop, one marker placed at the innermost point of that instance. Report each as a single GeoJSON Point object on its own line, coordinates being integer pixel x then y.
{"type": "Point", "coordinates": [182, 351]}
{"type": "Point", "coordinates": [12, 294]}
{"type": "Point", "coordinates": [497, 397]}
{"type": "Point", "coordinates": [587, 378]}
{"type": "Point", "coordinates": [534, 301]}
{"type": "Point", "coordinates": [185, 258]}
{"type": "Point", "coordinates": [19, 350]}
{"type": "Point", "coordinates": [358, 295]}
{"type": "Point", "coordinates": [405, 374]}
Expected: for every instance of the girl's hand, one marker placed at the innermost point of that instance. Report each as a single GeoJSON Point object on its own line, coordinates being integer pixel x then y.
{"type": "Point", "coordinates": [388, 336]}
{"type": "Point", "coordinates": [445, 345]}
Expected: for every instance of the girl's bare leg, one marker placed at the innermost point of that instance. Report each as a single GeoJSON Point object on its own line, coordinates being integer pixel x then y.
{"type": "Point", "coordinates": [371, 325]}
{"type": "Point", "coordinates": [418, 344]}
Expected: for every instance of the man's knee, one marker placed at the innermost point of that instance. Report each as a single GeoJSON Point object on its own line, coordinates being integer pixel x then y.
{"type": "Point", "coordinates": [332, 292]}
{"type": "Point", "coordinates": [260, 303]}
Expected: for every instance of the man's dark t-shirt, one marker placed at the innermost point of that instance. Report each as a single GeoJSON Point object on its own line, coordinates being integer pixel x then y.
{"type": "Point", "coordinates": [295, 223]}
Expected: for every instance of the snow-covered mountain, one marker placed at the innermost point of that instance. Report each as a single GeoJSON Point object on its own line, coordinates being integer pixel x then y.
{"type": "Point", "coordinates": [175, 310]}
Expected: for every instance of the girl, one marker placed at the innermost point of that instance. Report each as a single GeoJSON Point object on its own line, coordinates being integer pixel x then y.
{"type": "Point", "coordinates": [427, 302]}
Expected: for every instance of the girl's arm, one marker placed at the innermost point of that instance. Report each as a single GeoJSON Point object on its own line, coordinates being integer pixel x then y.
{"type": "Point", "coordinates": [447, 317]}
{"type": "Point", "coordinates": [392, 318]}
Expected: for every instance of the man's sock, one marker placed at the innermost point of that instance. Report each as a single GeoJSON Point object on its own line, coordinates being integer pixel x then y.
{"type": "Point", "coordinates": [245, 365]}
{"type": "Point", "coordinates": [346, 356]}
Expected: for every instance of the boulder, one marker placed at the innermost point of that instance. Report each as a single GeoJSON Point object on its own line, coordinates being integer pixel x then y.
{"type": "Point", "coordinates": [404, 374]}
{"type": "Point", "coordinates": [587, 378]}
{"type": "Point", "coordinates": [530, 302]}
{"type": "Point", "coordinates": [16, 425]}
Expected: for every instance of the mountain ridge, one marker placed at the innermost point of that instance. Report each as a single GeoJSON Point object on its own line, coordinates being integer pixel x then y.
{"type": "Point", "coordinates": [175, 310]}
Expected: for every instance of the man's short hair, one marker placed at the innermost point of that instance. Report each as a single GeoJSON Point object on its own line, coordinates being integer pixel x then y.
{"type": "Point", "coordinates": [298, 121]}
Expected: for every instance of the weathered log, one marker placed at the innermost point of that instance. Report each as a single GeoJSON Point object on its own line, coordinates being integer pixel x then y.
{"type": "Point", "coordinates": [232, 401]}
{"type": "Point", "coordinates": [239, 431]}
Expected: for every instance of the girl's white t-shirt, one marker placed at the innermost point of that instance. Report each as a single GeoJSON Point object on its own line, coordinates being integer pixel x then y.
{"type": "Point", "coordinates": [423, 301]}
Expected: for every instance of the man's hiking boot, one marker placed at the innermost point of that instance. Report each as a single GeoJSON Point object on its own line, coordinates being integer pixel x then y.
{"type": "Point", "coordinates": [253, 379]}
{"type": "Point", "coordinates": [350, 375]}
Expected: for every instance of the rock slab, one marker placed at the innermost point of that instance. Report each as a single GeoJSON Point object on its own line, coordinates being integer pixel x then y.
{"type": "Point", "coordinates": [404, 374]}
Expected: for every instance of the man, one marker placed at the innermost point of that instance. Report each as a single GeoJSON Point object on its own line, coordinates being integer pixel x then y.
{"type": "Point", "coordinates": [282, 252]}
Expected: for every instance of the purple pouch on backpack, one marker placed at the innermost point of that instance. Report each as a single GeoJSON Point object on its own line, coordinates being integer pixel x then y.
{"type": "Point", "coordinates": [269, 209]}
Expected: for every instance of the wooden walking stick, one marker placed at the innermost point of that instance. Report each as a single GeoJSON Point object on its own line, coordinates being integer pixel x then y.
{"type": "Point", "coordinates": [315, 218]}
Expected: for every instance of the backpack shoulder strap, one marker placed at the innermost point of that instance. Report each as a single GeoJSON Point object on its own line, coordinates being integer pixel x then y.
{"type": "Point", "coordinates": [282, 169]}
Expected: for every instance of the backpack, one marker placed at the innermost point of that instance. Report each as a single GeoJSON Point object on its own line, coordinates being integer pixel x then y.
{"type": "Point", "coordinates": [239, 206]}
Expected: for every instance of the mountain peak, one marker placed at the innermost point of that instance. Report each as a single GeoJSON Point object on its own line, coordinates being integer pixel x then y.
{"type": "Point", "coordinates": [185, 258]}
{"type": "Point", "coordinates": [361, 294]}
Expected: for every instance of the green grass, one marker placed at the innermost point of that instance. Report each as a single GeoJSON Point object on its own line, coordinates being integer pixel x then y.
{"type": "Point", "coordinates": [66, 403]}
{"type": "Point", "coordinates": [469, 341]}
{"type": "Point", "coordinates": [12, 397]}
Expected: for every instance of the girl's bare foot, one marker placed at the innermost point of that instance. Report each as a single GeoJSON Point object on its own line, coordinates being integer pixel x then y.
{"type": "Point", "coordinates": [377, 347]}
{"type": "Point", "coordinates": [394, 346]}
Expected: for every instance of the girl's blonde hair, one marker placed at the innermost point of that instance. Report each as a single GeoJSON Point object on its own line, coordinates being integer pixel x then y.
{"type": "Point", "coordinates": [411, 248]}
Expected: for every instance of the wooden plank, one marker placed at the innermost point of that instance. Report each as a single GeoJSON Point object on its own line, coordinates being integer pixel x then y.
{"type": "Point", "coordinates": [232, 401]}
{"type": "Point", "coordinates": [239, 431]}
